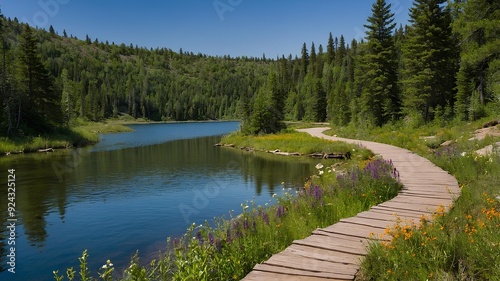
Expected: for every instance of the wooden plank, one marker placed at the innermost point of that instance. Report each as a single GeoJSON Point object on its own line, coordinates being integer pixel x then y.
{"type": "Point", "coordinates": [388, 217]}
{"type": "Point", "coordinates": [408, 206]}
{"type": "Point", "coordinates": [392, 211]}
{"type": "Point", "coordinates": [299, 262]}
{"type": "Point", "coordinates": [330, 247]}
{"type": "Point", "coordinates": [257, 275]}
{"type": "Point", "coordinates": [328, 255]}
{"type": "Point", "coordinates": [331, 240]}
{"type": "Point", "coordinates": [353, 230]}
{"type": "Point", "coordinates": [332, 254]}
{"type": "Point", "coordinates": [421, 200]}
{"type": "Point", "coordinates": [368, 222]}
{"type": "Point", "coordinates": [338, 236]}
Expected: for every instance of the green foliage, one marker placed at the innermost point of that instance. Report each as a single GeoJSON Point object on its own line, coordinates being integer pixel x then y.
{"type": "Point", "coordinates": [430, 59]}
{"type": "Point", "coordinates": [478, 26]}
{"type": "Point", "coordinates": [379, 101]}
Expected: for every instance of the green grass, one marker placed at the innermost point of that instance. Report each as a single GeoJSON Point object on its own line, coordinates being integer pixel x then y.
{"type": "Point", "coordinates": [81, 133]}
{"type": "Point", "coordinates": [293, 141]}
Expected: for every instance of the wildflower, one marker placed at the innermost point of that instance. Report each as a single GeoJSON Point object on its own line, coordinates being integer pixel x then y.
{"type": "Point", "coordinates": [200, 238]}
{"type": "Point", "coordinates": [320, 172]}
{"type": "Point", "coordinates": [282, 183]}
{"type": "Point", "coordinates": [463, 153]}
{"type": "Point", "coordinates": [274, 195]}
{"type": "Point", "coordinates": [319, 166]}
{"type": "Point", "coordinates": [280, 211]}
{"type": "Point", "coordinates": [211, 238]}
{"type": "Point", "coordinates": [265, 217]}
{"type": "Point", "coordinates": [108, 264]}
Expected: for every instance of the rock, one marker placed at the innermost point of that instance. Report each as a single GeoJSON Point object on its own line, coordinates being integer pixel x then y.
{"type": "Point", "coordinates": [447, 143]}
{"type": "Point", "coordinates": [489, 149]}
{"type": "Point", "coordinates": [491, 124]}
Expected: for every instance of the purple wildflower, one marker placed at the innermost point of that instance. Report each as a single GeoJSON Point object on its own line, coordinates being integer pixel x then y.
{"type": "Point", "coordinates": [280, 211]}
{"type": "Point", "coordinates": [265, 217]}
{"type": "Point", "coordinates": [218, 245]}
{"type": "Point", "coordinates": [245, 224]}
{"type": "Point", "coordinates": [211, 238]}
{"type": "Point", "coordinates": [200, 238]}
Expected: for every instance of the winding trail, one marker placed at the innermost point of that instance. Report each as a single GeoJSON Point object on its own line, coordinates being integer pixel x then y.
{"type": "Point", "coordinates": [335, 252]}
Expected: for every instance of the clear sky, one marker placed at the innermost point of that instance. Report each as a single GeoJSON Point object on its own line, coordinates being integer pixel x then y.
{"type": "Point", "coordinates": [213, 27]}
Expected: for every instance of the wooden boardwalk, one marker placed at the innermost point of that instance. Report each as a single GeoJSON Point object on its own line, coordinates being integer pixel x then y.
{"type": "Point", "coordinates": [335, 252]}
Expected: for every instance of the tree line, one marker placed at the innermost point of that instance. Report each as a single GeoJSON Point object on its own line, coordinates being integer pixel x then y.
{"type": "Point", "coordinates": [443, 66]}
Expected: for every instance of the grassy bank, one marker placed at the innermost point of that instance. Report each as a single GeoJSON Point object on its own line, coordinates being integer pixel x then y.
{"type": "Point", "coordinates": [463, 244]}
{"type": "Point", "coordinates": [81, 133]}
{"type": "Point", "coordinates": [293, 141]}
{"type": "Point", "coordinates": [228, 249]}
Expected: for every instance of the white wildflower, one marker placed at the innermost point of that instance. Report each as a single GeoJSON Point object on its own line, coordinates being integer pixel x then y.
{"type": "Point", "coordinates": [319, 166]}
{"type": "Point", "coordinates": [320, 172]}
{"type": "Point", "coordinates": [274, 195]}
{"type": "Point", "coordinates": [463, 153]}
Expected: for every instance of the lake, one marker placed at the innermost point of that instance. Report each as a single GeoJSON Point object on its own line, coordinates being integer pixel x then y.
{"type": "Point", "coordinates": [130, 192]}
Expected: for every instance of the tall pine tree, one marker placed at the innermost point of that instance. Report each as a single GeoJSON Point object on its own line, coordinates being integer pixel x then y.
{"type": "Point", "coordinates": [430, 60]}
{"type": "Point", "coordinates": [37, 102]}
{"type": "Point", "coordinates": [478, 80]}
{"type": "Point", "coordinates": [379, 99]}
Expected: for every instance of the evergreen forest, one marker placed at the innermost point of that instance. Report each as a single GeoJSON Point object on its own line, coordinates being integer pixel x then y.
{"type": "Point", "coordinates": [443, 66]}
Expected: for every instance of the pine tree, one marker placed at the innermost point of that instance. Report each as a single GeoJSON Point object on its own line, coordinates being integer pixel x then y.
{"type": "Point", "coordinates": [430, 60]}
{"type": "Point", "coordinates": [330, 50]}
{"type": "Point", "coordinates": [304, 60]}
{"type": "Point", "coordinates": [37, 101]}
{"type": "Point", "coordinates": [478, 80]}
{"type": "Point", "coordinates": [379, 94]}
{"type": "Point", "coordinates": [341, 51]}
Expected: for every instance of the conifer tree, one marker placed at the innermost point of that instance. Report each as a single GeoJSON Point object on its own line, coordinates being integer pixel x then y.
{"type": "Point", "coordinates": [478, 80]}
{"type": "Point", "coordinates": [304, 60]}
{"type": "Point", "coordinates": [379, 99]}
{"type": "Point", "coordinates": [37, 101]}
{"type": "Point", "coordinates": [330, 50]}
{"type": "Point", "coordinates": [430, 60]}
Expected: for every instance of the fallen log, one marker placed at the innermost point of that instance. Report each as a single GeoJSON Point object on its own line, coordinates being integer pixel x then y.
{"type": "Point", "coordinates": [346, 155]}
{"type": "Point", "coordinates": [46, 150]}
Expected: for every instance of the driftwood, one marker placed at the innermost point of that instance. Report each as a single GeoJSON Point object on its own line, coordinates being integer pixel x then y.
{"type": "Point", "coordinates": [14, 152]}
{"type": "Point", "coordinates": [279, 152]}
{"type": "Point", "coordinates": [46, 150]}
{"type": "Point", "coordinates": [346, 155]}
{"type": "Point", "coordinates": [225, 144]}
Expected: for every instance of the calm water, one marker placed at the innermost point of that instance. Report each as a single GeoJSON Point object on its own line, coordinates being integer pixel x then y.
{"type": "Point", "coordinates": [130, 192]}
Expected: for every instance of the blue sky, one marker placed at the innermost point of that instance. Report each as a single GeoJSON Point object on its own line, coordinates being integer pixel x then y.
{"type": "Point", "coordinates": [213, 27]}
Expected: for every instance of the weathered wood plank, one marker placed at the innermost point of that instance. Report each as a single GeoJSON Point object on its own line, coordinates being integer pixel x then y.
{"type": "Point", "coordinates": [330, 247]}
{"type": "Point", "coordinates": [326, 255]}
{"type": "Point", "coordinates": [287, 259]}
{"type": "Point", "coordinates": [332, 254]}
{"type": "Point", "coordinates": [260, 274]}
